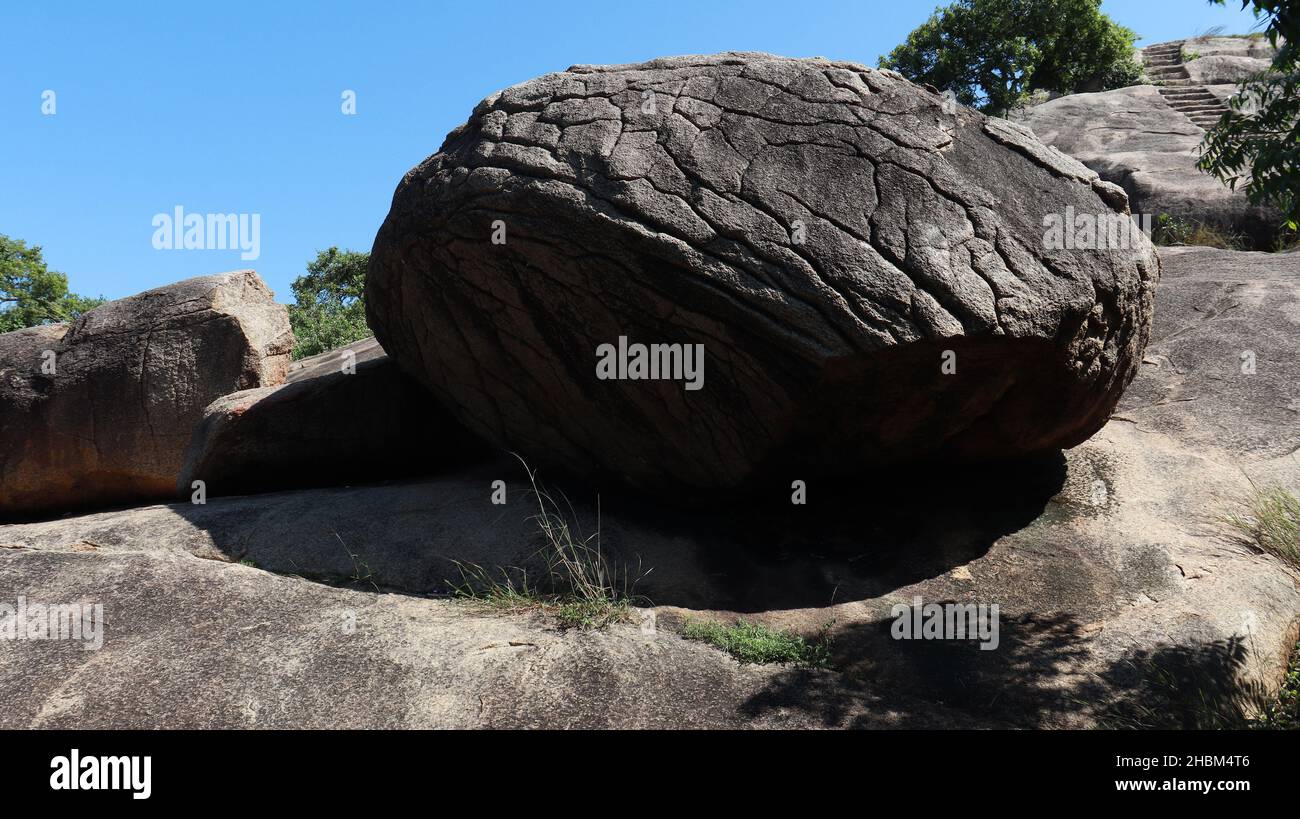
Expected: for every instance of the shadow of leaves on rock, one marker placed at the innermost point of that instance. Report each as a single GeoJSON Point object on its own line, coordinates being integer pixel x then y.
{"type": "Point", "coordinates": [1188, 687]}
{"type": "Point", "coordinates": [1036, 678]}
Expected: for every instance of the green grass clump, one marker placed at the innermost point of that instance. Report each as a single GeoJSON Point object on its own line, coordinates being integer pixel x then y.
{"type": "Point", "coordinates": [1286, 240]}
{"type": "Point", "coordinates": [509, 592]}
{"type": "Point", "coordinates": [756, 643]}
{"type": "Point", "coordinates": [580, 586]}
{"type": "Point", "coordinates": [1171, 231]}
{"type": "Point", "coordinates": [592, 614]}
{"type": "Point", "coordinates": [1271, 520]}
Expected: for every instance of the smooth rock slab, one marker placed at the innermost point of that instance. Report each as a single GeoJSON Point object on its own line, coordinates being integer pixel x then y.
{"type": "Point", "coordinates": [1111, 569]}
{"type": "Point", "coordinates": [110, 422]}
{"type": "Point", "coordinates": [195, 644]}
{"type": "Point", "coordinates": [1222, 370]}
{"type": "Point", "coordinates": [1225, 70]}
{"type": "Point", "coordinates": [1088, 582]}
{"type": "Point", "coordinates": [824, 230]}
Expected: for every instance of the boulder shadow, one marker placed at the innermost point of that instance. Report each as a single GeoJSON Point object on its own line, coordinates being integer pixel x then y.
{"type": "Point", "coordinates": [832, 541]}
{"type": "Point", "coordinates": [848, 539]}
{"type": "Point", "coordinates": [1019, 684]}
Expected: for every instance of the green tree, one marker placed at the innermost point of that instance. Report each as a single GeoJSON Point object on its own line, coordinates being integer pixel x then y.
{"type": "Point", "coordinates": [1258, 139]}
{"type": "Point", "coordinates": [992, 53]}
{"type": "Point", "coordinates": [329, 309]}
{"type": "Point", "coordinates": [31, 293]}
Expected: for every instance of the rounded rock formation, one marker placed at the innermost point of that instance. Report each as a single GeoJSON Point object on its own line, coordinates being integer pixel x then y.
{"type": "Point", "coordinates": [99, 411]}
{"type": "Point", "coordinates": [869, 269]}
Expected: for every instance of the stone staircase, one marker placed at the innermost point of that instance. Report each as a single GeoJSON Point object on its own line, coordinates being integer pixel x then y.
{"type": "Point", "coordinates": [1164, 65]}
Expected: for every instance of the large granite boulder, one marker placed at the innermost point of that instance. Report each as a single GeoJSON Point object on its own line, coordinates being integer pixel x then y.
{"type": "Point", "coordinates": [336, 360]}
{"type": "Point", "coordinates": [831, 235]}
{"type": "Point", "coordinates": [99, 411]}
{"type": "Point", "coordinates": [346, 416]}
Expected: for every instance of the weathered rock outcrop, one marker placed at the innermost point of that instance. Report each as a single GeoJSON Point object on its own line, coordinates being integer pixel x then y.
{"type": "Point", "coordinates": [1248, 47]}
{"type": "Point", "coordinates": [346, 416]}
{"type": "Point", "coordinates": [1135, 139]}
{"type": "Point", "coordinates": [99, 411]}
{"type": "Point", "coordinates": [824, 230]}
{"type": "Point", "coordinates": [1224, 70]}
{"type": "Point", "coordinates": [1144, 138]}
{"type": "Point", "coordinates": [1110, 568]}
{"type": "Point", "coordinates": [331, 361]}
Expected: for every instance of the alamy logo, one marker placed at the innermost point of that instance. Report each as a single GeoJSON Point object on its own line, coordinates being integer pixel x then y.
{"type": "Point", "coordinates": [678, 362]}
{"type": "Point", "coordinates": [1095, 231]}
{"type": "Point", "coordinates": [53, 621]}
{"type": "Point", "coordinates": [949, 621]}
{"type": "Point", "coordinates": [179, 230]}
{"type": "Point", "coordinates": [75, 772]}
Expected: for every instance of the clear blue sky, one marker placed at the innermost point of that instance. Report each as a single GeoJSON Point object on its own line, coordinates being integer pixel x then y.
{"type": "Point", "coordinates": [235, 106]}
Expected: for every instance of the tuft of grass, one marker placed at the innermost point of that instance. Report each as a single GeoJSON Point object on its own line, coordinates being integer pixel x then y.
{"type": "Point", "coordinates": [1284, 714]}
{"type": "Point", "coordinates": [1171, 231]}
{"type": "Point", "coordinates": [1201, 688]}
{"type": "Point", "coordinates": [1271, 520]}
{"type": "Point", "coordinates": [509, 591]}
{"type": "Point", "coordinates": [361, 571]}
{"type": "Point", "coordinates": [1286, 240]}
{"type": "Point", "coordinates": [580, 586]}
{"type": "Point", "coordinates": [1190, 687]}
{"type": "Point", "coordinates": [756, 643]}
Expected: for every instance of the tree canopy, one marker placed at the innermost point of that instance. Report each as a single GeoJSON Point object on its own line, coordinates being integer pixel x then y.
{"type": "Point", "coordinates": [31, 293]}
{"type": "Point", "coordinates": [1259, 138]}
{"type": "Point", "coordinates": [993, 53]}
{"type": "Point", "coordinates": [329, 309]}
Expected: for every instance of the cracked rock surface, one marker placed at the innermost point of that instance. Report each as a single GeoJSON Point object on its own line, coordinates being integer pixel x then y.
{"type": "Point", "coordinates": [824, 230]}
{"type": "Point", "coordinates": [98, 412]}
